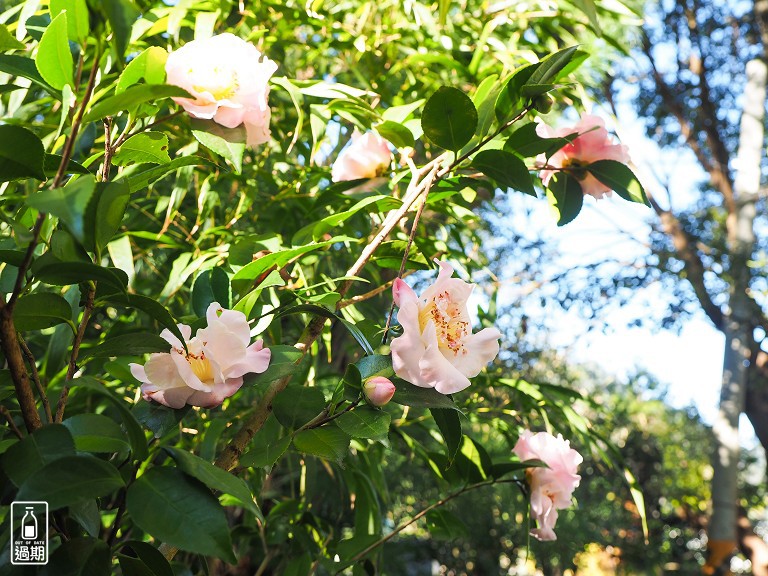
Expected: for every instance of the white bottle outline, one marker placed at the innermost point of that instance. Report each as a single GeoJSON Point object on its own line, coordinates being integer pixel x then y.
{"type": "Point", "coordinates": [29, 527]}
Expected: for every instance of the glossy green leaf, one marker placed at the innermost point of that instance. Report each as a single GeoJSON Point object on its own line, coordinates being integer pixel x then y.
{"type": "Point", "coordinates": [396, 133]}
{"type": "Point", "coordinates": [121, 15]}
{"type": "Point", "coordinates": [54, 60]}
{"type": "Point", "coordinates": [133, 344]}
{"type": "Point", "coordinates": [65, 273]}
{"type": "Point", "coordinates": [283, 362]}
{"type": "Point", "coordinates": [449, 423]}
{"type": "Point", "coordinates": [484, 99]}
{"type": "Point", "coordinates": [70, 479]}
{"type": "Point", "coordinates": [139, 181]}
{"type": "Point", "coordinates": [41, 310]}
{"type": "Point", "coordinates": [25, 68]}
{"type": "Point", "coordinates": [104, 214]}
{"type": "Point", "coordinates": [509, 102]}
{"type": "Point", "coordinates": [297, 405]}
{"type": "Point", "coordinates": [86, 513]}
{"type": "Point", "coordinates": [215, 478]}
{"type": "Point", "coordinates": [158, 418]}
{"type": "Point", "coordinates": [619, 178]}
{"type": "Point", "coordinates": [149, 66]}
{"type": "Point", "coordinates": [143, 148]}
{"type": "Point", "coordinates": [96, 433]}
{"type": "Point", "coordinates": [264, 455]}
{"type": "Point", "coordinates": [506, 169]}
{"type": "Point", "coordinates": [131, 99]}
{"type": "Point", "coordinates": [229, 143]}
{"type": "Point", "coordinates": [449, 118]}
{"type": "Point", "coordinates": [365, 422]}
{"type": "Point", "coordinates": [68, 204]}
{"type": "Point", "coordinates": [151, 307]}
{"type": "Point", "coordinates": [150, 558]}
{"type": "Point", "coordinates": [180, 511]}
{"type": "Point", "coordinates": [8, 41]}
{"type": "Point", "coordinates": [210, 286]}
{"type": "Point", "coordinates": [78, 26]}
{"type": "Point", "coordinates": [256, 268]}
{"type": "Point", "coordinates": [51, 166]}
{"type": "Point", "coordinates": [551, 66]}
{"type": "Point", "coordinates": [409, 395]}
{"type": "Point", "coordinates": [444, 525]}
{"type": "Point", "coordinates": [22, 154]}
{"type": "Point", "coordinates": [526, 142]}
{"type": "Point", "coordinates": [565, 196]}
{"type": "Point", "coordinates": [375, 365]}
{"type": "Point", "coordinates": [328, 442]}
{"type": "Point", "coordinates": [80, 556]}
{"type": "Point", "coordinates": [33, 452]}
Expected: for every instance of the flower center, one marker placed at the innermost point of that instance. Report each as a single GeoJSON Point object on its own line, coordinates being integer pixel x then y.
{"type": "Point", "coordinates": [201, 366]}
{"type": "Point", "coordinates": [448, 318]}
{"type": "Point", "coordinates": [220, 82]}
{"type": "Point", "coordinates": [576, 167]}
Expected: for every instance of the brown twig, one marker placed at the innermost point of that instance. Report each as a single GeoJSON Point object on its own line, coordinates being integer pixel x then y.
{"type": "Point", "coordinates": [5, 412]}
{"type": "Point", "coordinates": [72, 369]}
{"type": "Point", "coordinates": [36, 377]}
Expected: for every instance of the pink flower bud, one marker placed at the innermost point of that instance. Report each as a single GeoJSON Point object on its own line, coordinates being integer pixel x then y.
{"type": "Point", "coordinates": [379, 390]}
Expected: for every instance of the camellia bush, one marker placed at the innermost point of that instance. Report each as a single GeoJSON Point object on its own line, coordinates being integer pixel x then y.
{"type": "Point", "coordinates": [242, 276]}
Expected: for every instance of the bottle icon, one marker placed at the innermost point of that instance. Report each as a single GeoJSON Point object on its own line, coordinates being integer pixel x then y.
{"type": "Point", "coordinates": [29, 525]}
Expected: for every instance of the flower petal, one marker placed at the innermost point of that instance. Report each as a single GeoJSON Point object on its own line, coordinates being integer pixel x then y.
{"type": "Point", "coordinates": [435, 369]}
{"type": "Point", "coordinates": [479, 349]}
{"type": "Point", "coordinates": [256, 360]}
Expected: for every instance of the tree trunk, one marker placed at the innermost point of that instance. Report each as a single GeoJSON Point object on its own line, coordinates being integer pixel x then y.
{"type": "Point", "coordinates": [738, 324]}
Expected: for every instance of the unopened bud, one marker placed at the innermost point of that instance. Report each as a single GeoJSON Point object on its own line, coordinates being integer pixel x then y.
{"type": "Point", "coordinates": [379, 390]}
{"type": "Point", "coordinates": [543, 103]}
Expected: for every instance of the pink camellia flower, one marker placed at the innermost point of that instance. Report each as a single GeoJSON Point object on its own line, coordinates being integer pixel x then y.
{"type": "Point", "coordinates": [438, 349]}
{"type": "Point", "coordinates": [379, 390]}
{"type": "Point", "coordinates": [593, 143]}
{"type": "Point", "coordinates": [551, 488]}
{"type": "Point", "coordinates": [210, 370]}
{"type": "Point", "coordinates": [228, 78]}
{"type": "Point", "coordinates": [366, 157]}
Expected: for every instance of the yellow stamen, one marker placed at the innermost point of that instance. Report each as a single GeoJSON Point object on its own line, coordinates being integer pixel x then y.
{"type": "Point", "coordinates": [450, 326]}
{"type": "Point", "coordinates": [201, 366]}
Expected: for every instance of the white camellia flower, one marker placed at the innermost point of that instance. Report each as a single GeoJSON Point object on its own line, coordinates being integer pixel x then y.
{"type": "Point", "coordinates": [438, 349]}
{"type": "Point", "coordinates": [367, 156]}
{"type": "Point", "coordinates": [229, 79]}
{"type": "Point", "coordinates": [210, 370]}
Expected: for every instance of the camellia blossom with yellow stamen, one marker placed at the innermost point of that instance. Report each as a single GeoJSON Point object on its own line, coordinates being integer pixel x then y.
{"type": "Point", "coordinates": [593, 143]}
{"type": "Point", "coordinates": [229, 80]}
{"type": "Point", "coordinates": [367, 156]}
{"type": "Point", "coordinates": [438, 349]}
{"type": "Point", "coordinates": [552, 487]}
{"type": "Point", "coordinates": [210, 369]}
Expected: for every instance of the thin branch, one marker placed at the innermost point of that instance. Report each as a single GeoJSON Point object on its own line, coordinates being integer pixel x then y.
{"type": "Point", "coordinates": [5, 412]}
{"type": "Point", "coordinates": [36, 377]}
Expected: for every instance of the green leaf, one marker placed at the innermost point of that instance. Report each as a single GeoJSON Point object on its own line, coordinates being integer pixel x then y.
{"type": "Point", "coordinates": [283, 362]}
{"type": "Point", "coordinates": [327, 442]}
{"type": "Point", "coordinates": [54, 60]}
{"type": "Point", "coordinates": [151, 307]}
{"type": "Point", "coordinates": [8, 42]}
{"type": "Point", "coordinates": [365, 422]}
{"type": "Point", "coordinates": [356, 333]}
{"type": "Point", "coordinates": [86, 513]}
{"type": "Point", "coordinates": [450, 427]}
{"type": "Point", "coordinates": [65, 273]}
{"type": "Point", "coordinates": [619, 178]}
{"type": "Point", "coordinates": [143, 148]}
{"type": "Point", "coordinates": [215, 478]}
{"type": "Point", "coordinates": [68, 204]}
{"type": "Point", "coordinates": [121, 15]}
{"type": "Point", "coordinates": [229, 143]}
{"type": "Point", "coordinates": [158, 418]}
{"type": "Point", "coordinates": [22, 154]}
{"type": "Point", "coordinates": [80, 556]}
{"type": "Point", "coordinates": [484, 99]}
{"type": "Point", "coordinates": [409, 395]}
{"type": "Point", "coordinates": [149, 65]}
{"type": "Point", "coordinates": [210, 286]}
{"type": "Point", "coordinates": [526, 142]}
{"type": "Point", "coordinates": [150, 557]}
{"type": "Point", "coordinates": [133, 344]}
{"type": "Point", "coordinates": [104, 214]}
{"type": "Point", "coordinates": [25, 67]}
{"type": "Point", "coordinates": [375, 365]}
{"type": "Point", "coordinates": [265, 455]}
{"type": "Point", "coordinates": [41, 310]}
{"type": "Point", "coordinates": [509, 101]}
{"type": "Point", "coordinates": [297, 405]}
{"type": "Point", "coordinates": [396, 133]}
{"type": "Point", "coordinates": [449, 118]}
{"type": "Point", "coordinates": [499, 469]}
{"type": "Point", "coordinates": [131, 99]}
{"type": "Point", "coordinates": [135, 434]}
{"type": "Point", "coordinates": [506, 169]}
{"type": "Point", "coordinates": [551, 66]}
{"type": "Point", "coordinates": [96, 433]}
{"type": "Point", "coordinates": [180, 511]}
{"type": "Point", "coordinates": [444, 525]}
{"type": "Point", "coordinates": [141, 180]}
{"type": "Point", "coordinates": [565, 197]}
{"type": "Point", "coordinates": [51, 166]}
{"type": "Point", "coordinates": [78, 26]}
{"type": "Point", "coordinates": [70, 479]}
{"type": "Point", "coordinates": [32, 453]}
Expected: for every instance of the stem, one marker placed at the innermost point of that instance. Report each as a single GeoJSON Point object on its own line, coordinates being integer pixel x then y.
{"type": "Point", "coordinates": [324, 418]}
{"type": "Point", "coordinates": [36, 377]}
{"type": "Point", "coordinates": [13, 357]}
{"type": "Point", "coordinates": [5, 412]}
{"type": "Point", "coordinates": [87, 310]}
